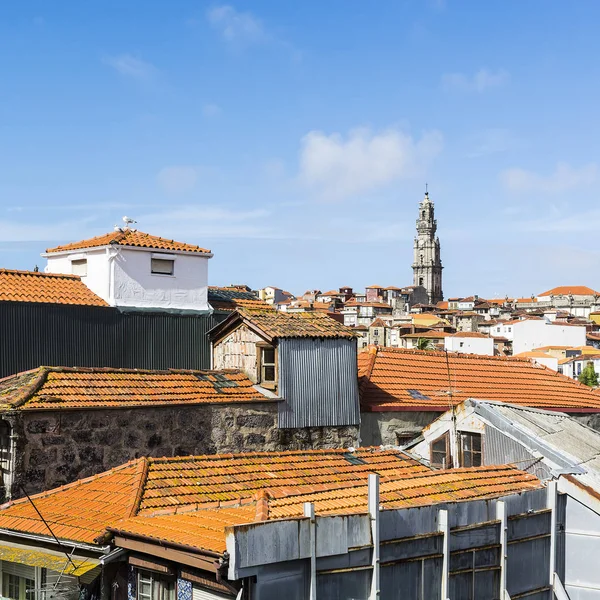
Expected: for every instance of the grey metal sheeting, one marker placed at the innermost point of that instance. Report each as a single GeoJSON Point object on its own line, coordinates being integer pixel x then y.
{"type": "Point", "coordinates": [318, 380]}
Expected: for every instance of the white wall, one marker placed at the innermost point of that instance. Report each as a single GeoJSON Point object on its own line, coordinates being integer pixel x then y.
{"type": "Point", "coordinates": [531, 334]}
{"type": "Point", "coordinates": [97, 278]}
{"type": "Point", "coordinates": [470, 345]}
{"type": "Point", "coordinates": [128, 281]}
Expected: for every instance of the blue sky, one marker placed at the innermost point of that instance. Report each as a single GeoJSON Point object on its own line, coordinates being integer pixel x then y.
{"type": "Point", "coordinates": [294, 139]}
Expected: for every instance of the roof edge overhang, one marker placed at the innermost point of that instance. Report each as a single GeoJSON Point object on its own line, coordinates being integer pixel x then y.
{"type": "Point", "coordinates": [126, 247]}
{"type": "Point", "coordinates": [230, 324]}
{"type": "Point", "coordinates": [49, 542]}
{"type": "Point", "coordinates": [190, 556]}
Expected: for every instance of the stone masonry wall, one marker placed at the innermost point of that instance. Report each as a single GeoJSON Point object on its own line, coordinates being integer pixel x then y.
{"type": "Point", "coordinates": [54, 448]}
{"type": "Point", "coordinates": [377, 428]}
{"type": "Point", "coordinates": [238, 351]}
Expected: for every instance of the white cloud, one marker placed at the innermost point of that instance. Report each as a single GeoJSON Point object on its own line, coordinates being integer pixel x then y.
{"type": "Point", "coordinates": [338, 167]}
{"type": "Point", "coordinates": [564, 178]}
{"type": "Point", "coordinates": [211, 110]}
{"type": "Point", "coordinates": [131, 66]}
{"type": "Point", "coordinates": [235, 26]}
{"type": "Point", "coordinates": [479, 82]}
{"type": "Point", "coordinates": [563, 221]}
{"type": "Point", "coordinates": [178, 179]}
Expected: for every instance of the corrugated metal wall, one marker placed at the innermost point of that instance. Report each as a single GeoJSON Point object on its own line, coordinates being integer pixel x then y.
{"type": "Point", "coordinates": [88, 336]}
{"type": "Point", "coordinates": [499, 449]}
{"type": "Point", "coordinates": [318, 380]}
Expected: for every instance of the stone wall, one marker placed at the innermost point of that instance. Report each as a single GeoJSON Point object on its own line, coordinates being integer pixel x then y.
{"type": "Point", "coordinates": [238, 351]}
{"type": "Point", "coordinates": [377, 428]}
{"type": "Point", "coordinates": [54, 448]}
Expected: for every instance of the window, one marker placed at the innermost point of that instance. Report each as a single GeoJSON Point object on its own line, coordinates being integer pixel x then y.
{"type": "Point", "coordinates": [162, 266]}
{"type": "Point", "coordinates": [267, 366]}
{"type": "Point", "coordinates": [375, 331]}
{"type": "Point", "coordinates": [440, 452]}
{"type": "Point", "coordinates": [420, 281]}
{"type": "Point", "coordinates": [510, 330]}
{"type": "Point", "coordinates": [152, 586]}
{"type": "Point", "coordinates": [462, 344]}
{"type": "Point", "coordinates": [470, 446]}
{"type": "Point", "coordinates": [404, 438]}
{"type": "Point", "coordinates": [79, 267]}
{"type": "Point", "coordinates": [17, 588]}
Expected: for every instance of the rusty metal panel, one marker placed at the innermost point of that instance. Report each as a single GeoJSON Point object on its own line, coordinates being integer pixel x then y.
{"type": "Point", "coordinates": [318, 380]}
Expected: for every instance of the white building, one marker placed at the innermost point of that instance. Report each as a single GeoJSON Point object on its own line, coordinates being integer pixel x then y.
{"type": "Point", "coordinates": [469, 343]}
{"type": "Point", "coordinates": [128, 268]}
{"type": "Point", "coordinates": [572, 367]}
{"type": "Point", "coordinates": [540, 358]}
{"type": "Point", "coordinates": [529, 334]}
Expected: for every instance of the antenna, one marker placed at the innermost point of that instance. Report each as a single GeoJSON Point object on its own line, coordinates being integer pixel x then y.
{"type": "Point", "coordinates": [426, 186]}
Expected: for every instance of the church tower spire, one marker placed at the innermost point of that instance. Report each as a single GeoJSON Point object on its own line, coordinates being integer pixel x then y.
{"type": "Point", "coordinates": [427, 264]}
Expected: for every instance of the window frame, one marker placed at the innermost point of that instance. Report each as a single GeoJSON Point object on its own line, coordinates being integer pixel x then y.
{"type": "Point", "coordinates": [79, 262]}
{"type": "Point", "coordinates": [162, 587]}
{"type": "Point", "coordinates": [470, 435]}
{"type": "Point", "coordinates": [162, 260]}
{"type": "Point", "coordinates": [261, 364]}
{"type": "Point", "coordinates": [448, 457]}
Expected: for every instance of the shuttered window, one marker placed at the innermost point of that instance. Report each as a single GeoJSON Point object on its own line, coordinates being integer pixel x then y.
{"type": "Point", "coordinates": [162, 266]}
{"type": "Point", "coordinates": [18, 581]}
{"type": "Point", "coordinates": [79, 267]}
{"type": "Point", "coordinates": [199, 593]}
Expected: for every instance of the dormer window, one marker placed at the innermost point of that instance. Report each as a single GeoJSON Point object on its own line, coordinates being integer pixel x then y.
{"type": "Point", "coordinates": [79, 267]}
{"type": "Point", "coordinates": [267, 365]}
{"type": "Point", "coordinates": [163, 266]}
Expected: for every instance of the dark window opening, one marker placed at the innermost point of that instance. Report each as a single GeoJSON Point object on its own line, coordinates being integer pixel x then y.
{"type": "Point", "coordinates": [440, 452]}
{"type": "Point", "coordinates": [470, 445]}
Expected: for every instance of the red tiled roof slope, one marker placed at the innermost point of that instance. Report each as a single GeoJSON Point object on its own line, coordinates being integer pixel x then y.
{"type": "Point", "coordinates": [80, 387]}
{"type": "Point", "coordinates": [397, 379]}
{"type": "Point", "coordinates": [79, 511]}
{"type": "Point", "coordinates": [48, 288]}
{"type": "Point", "coordinates": [565, 290]}
{"type": "Point", "coordinates": [190, 500]}
{"type": "Point", "coordinates": [130, 237]}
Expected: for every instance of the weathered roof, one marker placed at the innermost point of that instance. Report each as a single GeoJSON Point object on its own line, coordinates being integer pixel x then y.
{"type": "Point", "coordinates": [54, 388]}
{"type": "Point", "coordinates": [564, 442]}
{"type": "Point", "coordinates": [48, 288]}
{"type": "Point", "coordinates": [274, 324]}
{"type": "Point", "coordinates": [130, 237]}
{"type": "Point", "coordinates": [398, 379]}
{"type": "Point", "coordinates": [229, 298]}
{"type": "Point", "coordinates": [565, 290]}
{"type": "Point", "coordinates": [190, 500]}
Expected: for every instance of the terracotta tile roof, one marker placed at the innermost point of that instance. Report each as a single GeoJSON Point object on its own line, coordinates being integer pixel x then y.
{"type": "Point", "coordinates": [79, 511]}
{"type": "Point", "coordinates": [374, 287]}
{"type": "Point", "coordinates": [398, 379]}
{"type": "Point", "coordinates": [420, 489]}
{"type": "Point", "coordinates": [352, 302]}
{"type": "Point", "coordinates": [469, 334]}
{"type": "Point", "coordinates": [426, 334]}
{"type": "Point", "coordinates": [228, 298]}
{"type": "Point", "coordinates": [50, 288]}
{"type": "Point", "coordinates": [130, 237]}
{"type": "Point", "coordinates": [274, 324]}
{"type": "Point", "coordinates": [565, 290]}
{"type": "Point", "coordinates": [190, 500]}
{"type": "Point", "coordinates": [79, 387]}
{"type": "Point", "coordinates": [202, 530]}
{"type": "Point", "coordinates": [442, 305]}
{"type": "Point", "coordinates": [378, 322]}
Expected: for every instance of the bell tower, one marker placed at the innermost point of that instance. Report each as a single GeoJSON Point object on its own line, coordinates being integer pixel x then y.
{"type": "Point", "coordinates": [427, 264]}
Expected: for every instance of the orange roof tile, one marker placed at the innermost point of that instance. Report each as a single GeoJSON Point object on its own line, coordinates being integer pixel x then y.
{"type": "Point", "coordinates": [79, 511]}
{"type": "Point", "coordinates": [274, 324]}
{"type": "Point", "coordinates": [565, 290]}
{"type": "Point", "coordinates": [190, 500]}
{"type": "Point", "coordinates": [49, 288]}
{"type": "Point", "coordinates": [469, 334]}
{"type": "Point", "coordinates": [55, 388]}
{"type": "Point", "coordinates": [398, 379]}
{"type": "Point", "coordinates": [130, 237]}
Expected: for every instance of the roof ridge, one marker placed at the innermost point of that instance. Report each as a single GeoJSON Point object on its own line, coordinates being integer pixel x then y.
{"type": "Point", "coordinates": [33, 387]}
{"type": "Point", "coordinates": [38, 273]}
{"type": "Point", "coordinates": [142, 474]}
{"type": "Point", "coordinates": [438, 353]}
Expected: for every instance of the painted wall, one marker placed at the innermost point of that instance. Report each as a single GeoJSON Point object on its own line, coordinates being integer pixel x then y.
{"type": "Point", "coordinates": [469, 345]}
{"type": "Point", "coordinates": [530, 334]}
{"type": "Point", "coordinates": [123, 277]}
